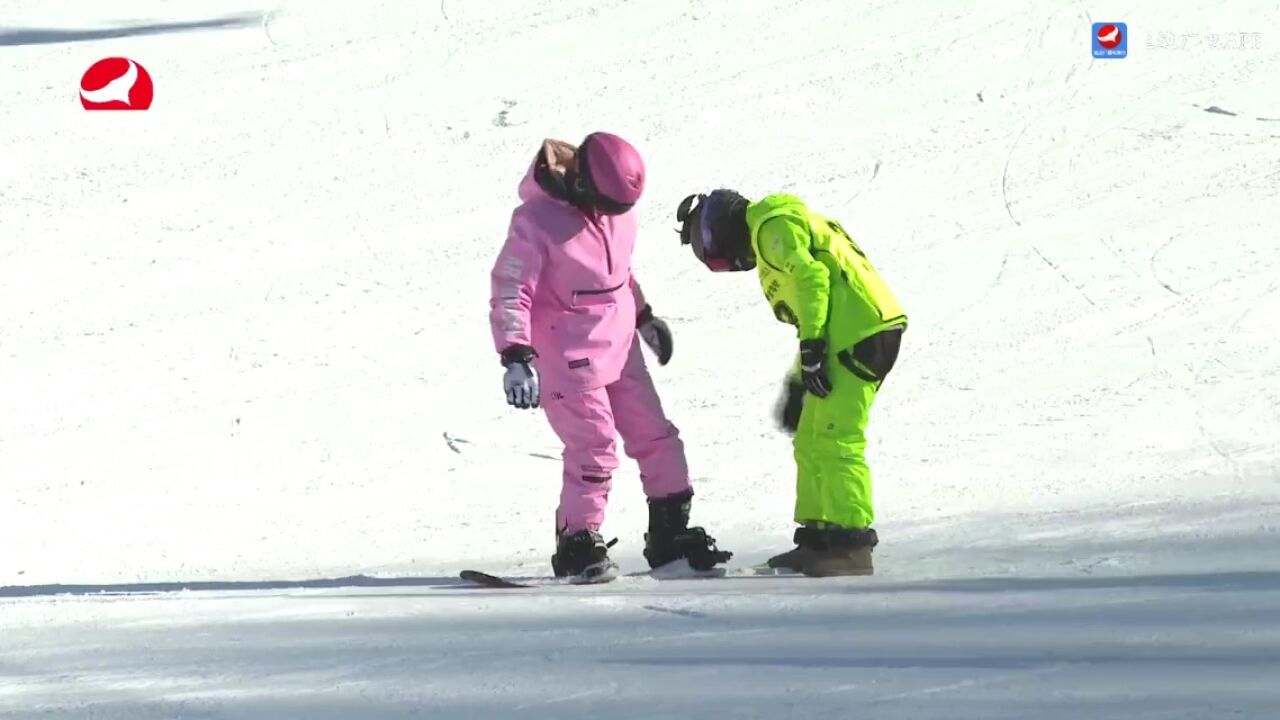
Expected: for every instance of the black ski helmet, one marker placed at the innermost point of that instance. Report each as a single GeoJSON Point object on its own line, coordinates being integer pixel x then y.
{"type": "Point", "coordinates": [715, 226]}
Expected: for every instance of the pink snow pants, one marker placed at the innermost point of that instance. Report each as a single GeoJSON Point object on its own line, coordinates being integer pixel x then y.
{"type": "Point", "coordinates": [587, 422]}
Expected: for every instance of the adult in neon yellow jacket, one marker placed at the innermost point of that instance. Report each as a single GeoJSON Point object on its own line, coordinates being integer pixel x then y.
{"type": "Point", "coordinates": [850, 327]}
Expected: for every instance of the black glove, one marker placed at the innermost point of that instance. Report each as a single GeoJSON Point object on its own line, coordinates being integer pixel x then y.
{"type": "Point", "coordinates": [813, 366]}
{"type": "Point", "coordinates": [791, 404]}
{"type": "Point", "coordinates": [655, 334]}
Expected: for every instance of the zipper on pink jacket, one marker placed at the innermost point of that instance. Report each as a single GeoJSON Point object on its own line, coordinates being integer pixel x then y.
{"type": "Point", "coordinates": [604, 239]}
{"type": "Point", "coordinates": [602, 291]}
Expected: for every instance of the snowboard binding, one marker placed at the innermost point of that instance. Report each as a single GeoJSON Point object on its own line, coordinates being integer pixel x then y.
{"type": "Point", "coordinates": [584, 555]}
{"type": "Point", "coordinates": [670, 538]}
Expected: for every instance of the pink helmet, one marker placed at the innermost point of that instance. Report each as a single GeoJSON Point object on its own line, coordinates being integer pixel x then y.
{"type": "Point", "coordinates": [612, 172]}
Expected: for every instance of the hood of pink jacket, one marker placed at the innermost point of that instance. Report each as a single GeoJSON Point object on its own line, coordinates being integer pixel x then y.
{"type": "Point", "coordinates": [529, 188]}
{"type": "Point", "coordinates": [560, 155]}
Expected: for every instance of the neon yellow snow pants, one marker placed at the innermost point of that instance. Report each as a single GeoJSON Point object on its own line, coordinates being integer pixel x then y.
{"type": "Point", "coordinates": [833, 481]}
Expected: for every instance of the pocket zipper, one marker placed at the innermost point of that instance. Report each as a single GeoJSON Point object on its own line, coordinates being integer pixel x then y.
{"type": "Point", "coordinates": [605, 291]}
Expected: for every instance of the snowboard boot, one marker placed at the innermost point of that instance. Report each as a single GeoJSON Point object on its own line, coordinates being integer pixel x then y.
{"type": "Point", "coordinates": [847, 552]}
{"type": "Point", "coordinates": [809, 540]}
{"type": "Point", "coordinates": [584, 555]}
{"type": "Point", "coordinates": [670, 538]}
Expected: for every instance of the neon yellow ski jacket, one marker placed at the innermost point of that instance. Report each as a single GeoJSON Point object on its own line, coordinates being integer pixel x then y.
{"type": "Point", "coordinates": [815, 276]}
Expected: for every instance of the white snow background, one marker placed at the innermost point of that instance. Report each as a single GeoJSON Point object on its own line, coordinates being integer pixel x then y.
{"type": "Point", "coordinates": [236, 329]}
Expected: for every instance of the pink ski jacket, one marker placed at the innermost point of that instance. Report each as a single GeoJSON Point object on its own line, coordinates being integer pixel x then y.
{"type": "Point", "coordinates": [563, 285]}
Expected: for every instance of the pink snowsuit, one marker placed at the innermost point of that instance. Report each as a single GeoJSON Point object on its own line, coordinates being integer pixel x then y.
{"type": "Point", "coordinates": [563, 285]}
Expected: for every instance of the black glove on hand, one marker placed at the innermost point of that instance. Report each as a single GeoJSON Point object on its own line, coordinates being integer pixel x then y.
{"type": "Point", "coordinates": [655, 334]}
{"type": "Point", "coordinates": [813, 367]}
{"type": "Point", "coordinates": [791, 405]}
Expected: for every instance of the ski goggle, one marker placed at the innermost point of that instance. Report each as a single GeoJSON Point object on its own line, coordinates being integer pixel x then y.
{"type": "Point", "coordinates": [584, 188]}
{"type": "Point", "coordinates": [695, 231]}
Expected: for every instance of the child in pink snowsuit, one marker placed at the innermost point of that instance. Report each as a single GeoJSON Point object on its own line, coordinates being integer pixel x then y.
{"type": "Point", "coordinates": [565, 310]}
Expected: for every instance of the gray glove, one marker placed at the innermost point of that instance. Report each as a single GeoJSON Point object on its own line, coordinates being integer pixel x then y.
{"type": "Point", "coordinates": [520, 381]}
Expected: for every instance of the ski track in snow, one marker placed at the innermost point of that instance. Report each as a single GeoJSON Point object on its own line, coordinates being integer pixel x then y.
{"type": "Point", "coordinates": [253, 425]}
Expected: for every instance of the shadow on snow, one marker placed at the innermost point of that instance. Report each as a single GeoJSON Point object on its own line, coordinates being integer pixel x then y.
{"type": "Point", "coordinates": [14, 37]}
{"type": "Point", "coordinates": [152, 588]}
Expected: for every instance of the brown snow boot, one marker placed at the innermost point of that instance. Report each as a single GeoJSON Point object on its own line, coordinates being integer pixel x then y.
{"type": "Point", "coordinates": [846, 552]}
{"type": "Point", "coordinates": [809, 540]}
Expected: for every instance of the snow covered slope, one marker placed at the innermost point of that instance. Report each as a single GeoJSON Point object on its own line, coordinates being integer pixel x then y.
{"type": "Point", "coordinates": [243, 341]}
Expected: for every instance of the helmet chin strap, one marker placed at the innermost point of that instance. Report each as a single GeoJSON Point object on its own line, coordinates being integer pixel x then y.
{"type": "Point", "coordinates": [743, 259]}
{"type": "Point", "coordinates": [576, 188]}
{"type": "Point", "coordinates": [737, 242]}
